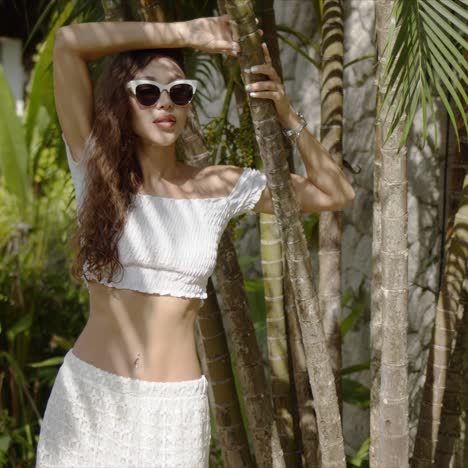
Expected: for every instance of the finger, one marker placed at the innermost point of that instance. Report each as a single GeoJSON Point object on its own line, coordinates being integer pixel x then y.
{"type": "Point", "coordinates": [231, 51]}
{"type": "Point", "coordinates": [266, 69]}
{"type": "Point", "coordinates": [275, 96]}
{"type": "Point", "coordinates": [266, 52]}
{"type": "Point", "coordinates": [264, 86]}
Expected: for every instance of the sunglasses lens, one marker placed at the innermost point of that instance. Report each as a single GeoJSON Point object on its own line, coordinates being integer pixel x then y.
{"type": "Point", "coordinates": [181, 94]}
{"type": "Point", "coordinates": [147, 94]}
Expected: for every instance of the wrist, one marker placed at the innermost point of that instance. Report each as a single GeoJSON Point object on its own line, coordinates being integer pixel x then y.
{"type": "Point", "coordinates": [290, 120]}
{"type": "Point", "coordinates": [183, 33]}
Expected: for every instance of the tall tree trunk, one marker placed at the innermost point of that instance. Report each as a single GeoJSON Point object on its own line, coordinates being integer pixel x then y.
{"type": "Point", "coordinates": [213, 325]}
{"type": "Point", "coordinates": [272, 151]}
{"type": "Point", "coordinates": [282, 384]}
{"type": "Point", "coordinates": [331, 135]}
{"type": "Point", "coordinates": [449, 444]}
{"type": "Point", "coordinates": [393, 401]}
{"type": "Point", "coordinates": [275, 282]}
{"type": "Point", "coordinates": [463, 452]}
{"type": "Point", "coordinates": [306, 410]}
{"type": "Point", "coordinates": [376, 286]}
{"type": "Point", "coordinates": [447, 325]}
{"type": "Point", "coordinates": [214, 356]}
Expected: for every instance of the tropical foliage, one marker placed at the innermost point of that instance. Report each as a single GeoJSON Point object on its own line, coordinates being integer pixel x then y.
{"type": "Point", "coordinates": [42, 309]}
{"type": "Point", "coordinates": [427, 56]}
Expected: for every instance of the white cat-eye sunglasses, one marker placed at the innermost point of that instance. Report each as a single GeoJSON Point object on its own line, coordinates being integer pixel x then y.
{"type": "Point", "coordinates": [147, 92]}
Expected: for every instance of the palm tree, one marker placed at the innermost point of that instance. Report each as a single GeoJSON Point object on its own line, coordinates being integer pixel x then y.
{"type": "Point", "coordinates": [437, 432]}
{"type": "Point", "coordinates": [283, 390]}
{"type": "Point", "coordinates": [425, 51]}
{"type": "Point", "coordinates": [331, 136]}
{"type": "Point", "coordinates": [449, 448]}
{"type": "Point", "coordinates": [272, 151]}
{"type": "Point", "coordinates": [393, 401]}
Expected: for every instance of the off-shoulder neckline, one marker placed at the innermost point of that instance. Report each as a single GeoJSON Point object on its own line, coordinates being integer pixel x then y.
{"type": "Point", "coordinates": [150, 196]}
{"type": "Point", "coordinates": [223, 197]}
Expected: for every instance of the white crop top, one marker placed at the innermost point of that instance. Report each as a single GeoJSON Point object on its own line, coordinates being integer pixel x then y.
{"type": "Point", "coordinates": [169, 245]}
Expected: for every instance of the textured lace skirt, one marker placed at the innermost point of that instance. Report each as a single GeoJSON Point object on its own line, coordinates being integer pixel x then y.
{"type": "Point", "coordinates": [98, 419]}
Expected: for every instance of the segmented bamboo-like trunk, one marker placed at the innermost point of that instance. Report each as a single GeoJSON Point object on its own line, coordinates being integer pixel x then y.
{"type": "Point", "coordinates": [393, 401]}
{"type": "Point", "coordinates": [272, 151]}
{"type": "Point", "coordinates": [463, 452]}
{"type": "Point", "coordinates": [331, 135]}
{"type": "Point", "coordinates": [306, 411]}
{"type": "Point", "coordinates": [211, 325]}
{"type": "Point", "coordinates": [284, 403]}
{"type": "Point", "coordinates": [448, 320]}
{"type": "Point", "coordinates": [275, 283]}
{"type": "Point", "coordinates": [449, 448]}
{"type": "Point", "coordinates": [376, 289]}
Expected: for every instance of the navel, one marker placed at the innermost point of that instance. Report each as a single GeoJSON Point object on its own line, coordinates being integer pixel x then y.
{"type": "Point", "coordinates": [136, 362]}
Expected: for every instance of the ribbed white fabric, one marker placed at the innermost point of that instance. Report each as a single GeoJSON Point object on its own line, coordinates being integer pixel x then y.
{"type": "Point", "coordinates": [169, 245]}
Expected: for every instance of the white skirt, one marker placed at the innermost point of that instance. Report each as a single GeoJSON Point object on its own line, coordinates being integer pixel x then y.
{"type": "Point", "coordinates": [98, 419]}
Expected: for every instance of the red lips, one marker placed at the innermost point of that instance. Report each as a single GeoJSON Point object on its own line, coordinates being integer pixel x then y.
{"type": "Point", "coordinates": [166, 118]}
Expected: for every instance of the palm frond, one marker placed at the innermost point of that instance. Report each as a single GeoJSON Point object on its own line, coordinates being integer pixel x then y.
{"type": "Point", "coordinates": [316, 63]}
{"type": "Point", "coordinates": [427, 56]}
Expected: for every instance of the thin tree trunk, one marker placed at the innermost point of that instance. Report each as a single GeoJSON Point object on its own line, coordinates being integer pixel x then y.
{"type": "Point", "coordinates": [393, 401]}
{"type": "Point", "coordinates": [449, 444]}
{"type": "Point", "coordinates": [272, 257]}
{"type": "Point", "coordinates": [306, 410]}
{"type": "Point", "coordinates": [331, 135]}
{"type": "Point", "coordinates": [376, 286]}
{"type": "Point", "coordinates": [282, 394]}
{"type": "Point", "coordinates": [449, 315]}
{"type": "Point", "coordinates": [270, 142]}
{"type": "Point", "coordinates": [229, 427]}
{"type": "Point", "coordinates": [463, 452]}
{"type": "Point", "coordinates": [215, 360]}
{"type": "Point", "coordinates": [450, 422]}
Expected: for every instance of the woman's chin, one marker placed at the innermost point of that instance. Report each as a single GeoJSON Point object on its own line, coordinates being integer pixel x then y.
{"type": "Point", "coordinates": [161, 140]}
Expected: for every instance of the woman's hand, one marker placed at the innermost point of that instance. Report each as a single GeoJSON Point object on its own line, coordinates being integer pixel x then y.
{"type": "Point", "coordinates": [214, 35]}
{"type": "Point", "coordinates": [272, 89]}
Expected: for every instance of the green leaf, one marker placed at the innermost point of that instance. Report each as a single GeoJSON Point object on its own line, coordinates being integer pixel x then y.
{"type": "Point", "coordinates": [427, 51]}
{"type": "Point", "coordinates": [22, 324]}
{"type": "Point", "coordinates": [4, 443]}
{"type": "Point", "coordinates": [351, 318]}
{"type": "Point", "coordinates": [355, 368]}
{"type": "Point", "coordinates": [355, 393]}
{"type": "Point", "coordinates": [362, 454]}
{"type": "Point", "coordinates": [41, 91]}
{"type": "Point", "coordinates": [53, 361]}
{"type": "Point", "coordinates": [305, 40]}
{"type": "Point", "coordinates": [359, 59]}
{"type": "Point", "coordinates": [316, 63]}
{"type": "Point", "coordinates": [13, 154]}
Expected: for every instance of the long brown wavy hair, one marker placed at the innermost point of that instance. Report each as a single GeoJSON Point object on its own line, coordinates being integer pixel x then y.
{"type": "Point", "coordinates": [112, 167]}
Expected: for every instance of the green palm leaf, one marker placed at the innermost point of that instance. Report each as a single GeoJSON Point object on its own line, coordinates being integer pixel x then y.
{"type": "Point", "coordinates": [13, 154]}
{"type": "Point", "coordinates": [427, 55]}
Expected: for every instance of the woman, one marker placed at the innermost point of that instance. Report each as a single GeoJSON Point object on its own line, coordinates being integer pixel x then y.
{"type": "Point", "coordinates": [130, 392]}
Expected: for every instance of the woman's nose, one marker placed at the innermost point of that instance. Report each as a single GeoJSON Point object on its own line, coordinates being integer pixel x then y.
{"type": "Point", "coordinates": [165, 98]}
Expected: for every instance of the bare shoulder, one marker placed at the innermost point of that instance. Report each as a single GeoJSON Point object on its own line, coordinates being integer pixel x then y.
{"type": "Point", "coordinates": [220, 177]}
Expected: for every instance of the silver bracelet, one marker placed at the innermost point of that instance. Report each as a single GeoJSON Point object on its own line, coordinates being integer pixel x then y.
{"type": "Point", "coordinates": [293, 133]}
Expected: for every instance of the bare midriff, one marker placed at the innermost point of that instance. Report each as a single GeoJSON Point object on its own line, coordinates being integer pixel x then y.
{"type": "Point", "coordinates": [143, 336]}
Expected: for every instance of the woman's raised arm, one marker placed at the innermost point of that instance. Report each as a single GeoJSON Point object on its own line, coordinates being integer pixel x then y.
{"type": "Point", "coordinates": [77, 44]}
